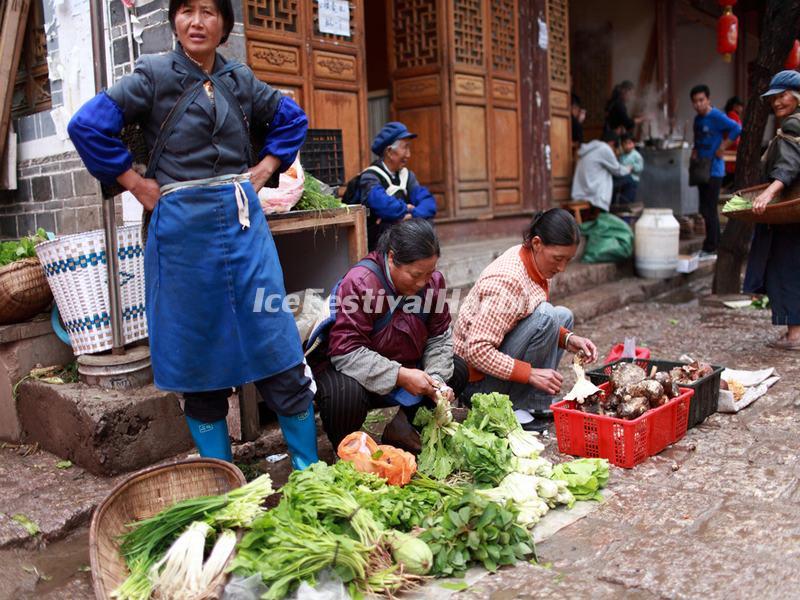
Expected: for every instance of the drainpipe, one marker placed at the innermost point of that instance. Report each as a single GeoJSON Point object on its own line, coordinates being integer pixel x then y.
{"type": "Point", "coordinates": [109, 216]}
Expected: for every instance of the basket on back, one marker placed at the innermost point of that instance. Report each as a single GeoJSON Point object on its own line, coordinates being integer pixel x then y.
{"type": "Point", "coordinates": [785, 210]}
{"type": "Point", "coordinates": [143, 495]}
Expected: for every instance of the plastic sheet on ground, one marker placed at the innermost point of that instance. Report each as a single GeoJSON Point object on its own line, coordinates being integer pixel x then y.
{"type": "Point", "coordinates": [554, 521]}
{"type": "Point", "coordinates": [756, 384]}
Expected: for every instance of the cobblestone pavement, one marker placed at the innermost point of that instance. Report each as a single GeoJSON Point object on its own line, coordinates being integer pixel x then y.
{"type": "Point", "coordinates": [716, 515]}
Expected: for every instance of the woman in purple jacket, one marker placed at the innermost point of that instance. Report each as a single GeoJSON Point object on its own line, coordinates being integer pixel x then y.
{"type": "Point", "coordinates": [391, 343]}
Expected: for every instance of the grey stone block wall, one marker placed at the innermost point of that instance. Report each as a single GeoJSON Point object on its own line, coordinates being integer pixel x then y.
{"type": "Point", "coordinates": [55, 193]}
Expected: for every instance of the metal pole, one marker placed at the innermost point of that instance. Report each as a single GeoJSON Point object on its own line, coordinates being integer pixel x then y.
{"type": "Point", "coordinates": [109, 216]}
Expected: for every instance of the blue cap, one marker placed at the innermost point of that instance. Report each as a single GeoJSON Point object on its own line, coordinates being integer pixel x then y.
{"type": "Point", "coordinates": [785, 80]}
{"type": "Point", "coordinates": [391, 132]}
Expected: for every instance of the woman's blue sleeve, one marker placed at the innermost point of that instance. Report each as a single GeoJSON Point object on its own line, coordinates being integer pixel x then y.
{"type": "Point", "coordinates": [94, 130]}
{"type": "Point", "coordinates": [286, 133]}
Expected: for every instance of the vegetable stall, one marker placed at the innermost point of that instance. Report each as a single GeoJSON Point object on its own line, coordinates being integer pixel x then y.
{"type": "Point", "coordinates": [479, 489]}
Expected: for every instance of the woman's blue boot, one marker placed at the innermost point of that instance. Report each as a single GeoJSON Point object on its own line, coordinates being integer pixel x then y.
{"type": "Point", "coordinates": [300, 433]}
{"type": "Point", "coordinates": [211, 439]}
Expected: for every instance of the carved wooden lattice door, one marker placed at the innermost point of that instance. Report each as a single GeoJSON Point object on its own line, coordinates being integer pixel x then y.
{"type": "Point", "coordinates": [455, 73]}
{"type": "Point", "coordinates": [325, 73]}
{"type": "Point", "coordinates": [560, 98]}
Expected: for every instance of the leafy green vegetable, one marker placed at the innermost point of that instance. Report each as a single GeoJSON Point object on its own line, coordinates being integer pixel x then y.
{"type": "Point", "coordinates": [64, 464]}
{"type": "Point", "coordinates": [30, 526]}
{"type": "Point", "coordinates": [483, 454]}
{"type": "Point", "coordinates": [313, 197]}
{"type": "Point", "coordinates": [24, 248]}
{"type": "Point", "coordinates": [493, 413]}
{"type": "Point", "coordinates": [470, 529]}
{"type": "Point", "coordinates": [456, 586]}
{"type": "Point", "coordinates": [761, 303]}
{"type": "Point", "coordinates": [737, 203]}
{"type": "Point", "coordinates": [285, 550]}
{"type": "Point", "coordinates": [438, 457]}
{"type": "Point", "coordinates": [584, 476]}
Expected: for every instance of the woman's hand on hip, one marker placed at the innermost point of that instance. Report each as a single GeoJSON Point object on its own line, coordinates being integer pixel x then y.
{"type": "Point", "coordinates": [547, 380]}
{"type": "Point", "coordinates": [147, 192]}
{"type": "Point", "coordinates": [578, 344]}
{"type": "Point", "coordinates": [260, 173]}
{"type": "Point", "coordinates": [416, 382]}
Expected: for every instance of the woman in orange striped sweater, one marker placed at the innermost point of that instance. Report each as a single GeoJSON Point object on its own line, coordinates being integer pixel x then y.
{"type": "Point", "coordinates": [511, 337]}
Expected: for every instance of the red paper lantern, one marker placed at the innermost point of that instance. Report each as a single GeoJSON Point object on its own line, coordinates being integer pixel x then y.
{"type": "Point", "coordinates": [793, 60]}
{"type": "Point", "coordinates": [727, 30]}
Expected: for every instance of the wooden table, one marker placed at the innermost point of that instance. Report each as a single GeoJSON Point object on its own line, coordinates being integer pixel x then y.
{"type": "Point", "coordinates": [315, 248]}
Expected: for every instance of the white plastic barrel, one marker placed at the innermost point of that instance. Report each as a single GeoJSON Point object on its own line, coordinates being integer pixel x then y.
{"type": "Point", "coordinates": [657, 236]}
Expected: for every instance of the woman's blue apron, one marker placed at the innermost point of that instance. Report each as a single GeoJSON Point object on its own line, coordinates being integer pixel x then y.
{"type": "Point", "coordinates": [211, 285]}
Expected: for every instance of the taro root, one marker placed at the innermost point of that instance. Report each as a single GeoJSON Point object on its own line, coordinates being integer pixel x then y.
{"type": "Point", "coordinates": [659, 401]}
{"type": "Point", "coordinates": [670, 387]}
{"type": "Point", "coordinates": [649, 388]}
{"type": "Point", "coordinates": [625, 374]}
{"type": "Point", "coordinates": [633, 408]}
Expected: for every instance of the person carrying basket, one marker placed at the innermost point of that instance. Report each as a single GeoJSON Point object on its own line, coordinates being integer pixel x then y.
{"type": "Point", "coordinates": [774, 263]}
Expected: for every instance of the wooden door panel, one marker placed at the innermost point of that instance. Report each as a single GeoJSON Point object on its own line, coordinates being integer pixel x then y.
{"type": "Point", "coordinates": [335, 109]}
{"type": "Point", "coordinates": [560, 146]}
{"type": "Point", "coordinates": [507, 198]}
{"type": "Point", "coordinates": [506, 150]}
{"type": "Point", "coordinates": [470, 133]}
{"type": "Point", "coordinates": [427, 151]}
{"type": "Point", "coordinates": [474, 199]}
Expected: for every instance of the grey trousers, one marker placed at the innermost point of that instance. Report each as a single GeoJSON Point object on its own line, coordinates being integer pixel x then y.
{"type": "Point", "coordinates": [535, 341]}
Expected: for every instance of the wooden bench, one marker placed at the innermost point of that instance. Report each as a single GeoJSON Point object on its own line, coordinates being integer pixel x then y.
{"type": "Point", "coordinates": [576, 207]}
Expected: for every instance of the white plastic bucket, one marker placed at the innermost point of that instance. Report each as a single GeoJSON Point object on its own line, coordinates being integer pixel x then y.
{"type": "Point", "coordinates": [656, 243]}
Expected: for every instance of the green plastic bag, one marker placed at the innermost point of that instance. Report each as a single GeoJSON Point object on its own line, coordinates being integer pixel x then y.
{"type": "Point", "coordinates": [610, 239]}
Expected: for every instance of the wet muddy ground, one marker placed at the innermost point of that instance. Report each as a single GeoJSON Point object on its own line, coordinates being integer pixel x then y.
{"type": "Point", "coordinates": [716, 515]}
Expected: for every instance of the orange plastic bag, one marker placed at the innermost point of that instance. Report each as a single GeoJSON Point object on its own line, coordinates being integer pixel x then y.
{"type": "Point", "coordinates": [388, 462]}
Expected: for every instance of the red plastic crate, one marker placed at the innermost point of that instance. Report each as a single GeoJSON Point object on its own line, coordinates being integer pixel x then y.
{"type": "Point", "coordinates": [623, 443]}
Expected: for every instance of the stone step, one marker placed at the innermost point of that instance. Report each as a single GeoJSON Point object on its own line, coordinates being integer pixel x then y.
{"type": "Point", "coordinates": [104, 431]}
{"type": "Point", "coordinates": [461, 264]}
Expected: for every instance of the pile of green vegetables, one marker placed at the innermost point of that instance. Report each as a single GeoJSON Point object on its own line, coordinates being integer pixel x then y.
{"type": "Point", "coordinates": [471, 506]}
{"type": "Point", "coordinates": [24, 248]}
{"type": "Point", "coordinates": [314, 198]}
{"type": "Point", "coordinates": [737, 203]}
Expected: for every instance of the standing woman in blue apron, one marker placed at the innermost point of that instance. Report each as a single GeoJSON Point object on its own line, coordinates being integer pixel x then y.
{"type": "Point", "coordinates": [209, 254]}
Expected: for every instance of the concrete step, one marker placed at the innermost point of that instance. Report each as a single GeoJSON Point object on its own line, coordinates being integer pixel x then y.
{"type": "Point", "coordinates": [608, 297]}
{"type": "Point", "coordinates": [461, 264]}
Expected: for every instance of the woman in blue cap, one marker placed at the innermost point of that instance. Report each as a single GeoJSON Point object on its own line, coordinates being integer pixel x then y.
{"type": "Point", "coordinates": [389, 188]}
{"type": "Point", "coordinates": [774, 264]}
{"type": "Point", "coordinates": [209, 253]}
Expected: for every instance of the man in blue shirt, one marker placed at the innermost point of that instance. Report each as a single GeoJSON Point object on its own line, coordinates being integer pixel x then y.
{"type": "Point", "coordinates": [711, 128]}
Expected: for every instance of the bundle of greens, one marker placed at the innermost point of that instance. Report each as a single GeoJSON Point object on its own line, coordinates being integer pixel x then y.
{"type": "Point", "coordinates": [737, 203]}
{"type": "Point", "coordinates": [584, 477]}
{"type": "Point", "coordinates": [470, 529]}
{"type": "Point", "coordinates": [495, 413]}
{"type": "Point", "coordinates": [314, 497]}
{"type": "Point", "coordinates": [24, 248]}
{"type": "Point", "coordinates": [314, 198]}
{"type": "Point", "coordinates": [438, 457]}
{"type": "Point", "coordinates": [149, 540]}
{"type": "Point", "coordinates": [286, 549]}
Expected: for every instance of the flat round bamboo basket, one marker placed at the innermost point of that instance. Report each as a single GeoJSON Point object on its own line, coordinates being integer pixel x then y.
{"type": "Point", "coordinates": [785, 210]}
{"type": "Point", "coordinates": [143, 495]}
{"type": "Point", "coordinates": [24, 291]}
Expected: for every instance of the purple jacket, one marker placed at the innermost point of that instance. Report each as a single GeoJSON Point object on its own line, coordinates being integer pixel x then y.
{"type": "Point", "coordinates": [403, 339]}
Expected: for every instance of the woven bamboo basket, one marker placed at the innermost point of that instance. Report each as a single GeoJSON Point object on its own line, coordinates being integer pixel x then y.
{"type": "Point", "coordinates": [785, 210]}
{"type": "Point", "coordinates": [143, 495]}
{"type": "Point", "coordinates": [75, 267]}
{"type": "Point", "coordinates": [24, 291]}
